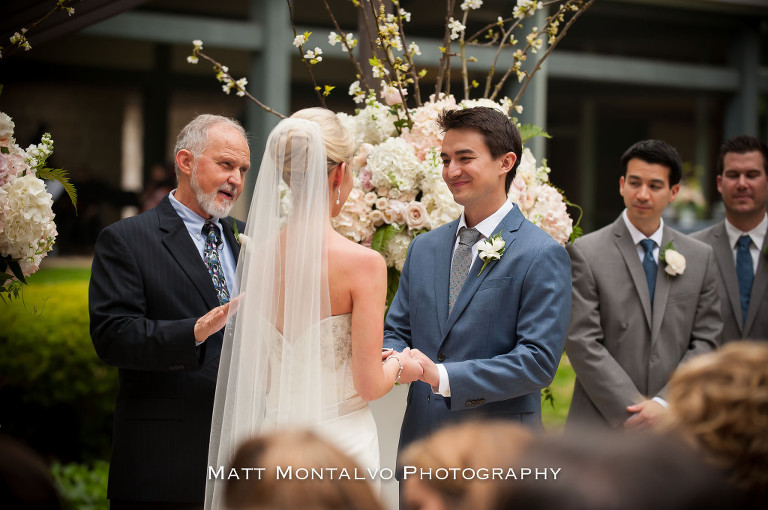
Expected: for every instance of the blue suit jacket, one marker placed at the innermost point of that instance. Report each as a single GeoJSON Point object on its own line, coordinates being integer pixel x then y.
{"type": "Point", "coordinates": [502, 341]}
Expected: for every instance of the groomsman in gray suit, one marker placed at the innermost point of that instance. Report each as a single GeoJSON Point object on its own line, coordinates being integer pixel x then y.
{"type": "Point", "coordinates": [645, 299]}
{"type": "Point", "coordinates": [739, 240]}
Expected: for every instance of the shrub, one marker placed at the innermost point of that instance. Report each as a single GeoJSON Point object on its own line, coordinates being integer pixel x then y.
{"type": "Point", "coordinates": [56, 394]}
{"type": "Point", "coordinates": [82, 487]}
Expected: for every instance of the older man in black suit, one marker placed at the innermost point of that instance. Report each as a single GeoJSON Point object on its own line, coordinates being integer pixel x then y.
{"type": "Point", "coordinates": [159, 297]}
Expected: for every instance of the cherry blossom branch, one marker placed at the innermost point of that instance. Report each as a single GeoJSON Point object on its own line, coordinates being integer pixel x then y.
{"type": "Point", "coordinates": [553, 44]}
{"type": "Point", "coordinates": [307, 63]}
{"type": "Point", "coordinates": [19, 39]}
{"type": "Point", "coordinates": [348, 47]}
{"type": "Point", "coordinates": [222, 74]}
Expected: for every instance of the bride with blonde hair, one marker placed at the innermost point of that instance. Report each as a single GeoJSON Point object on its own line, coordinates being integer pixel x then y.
{"type": "Point", "coordinates": [304, 348]}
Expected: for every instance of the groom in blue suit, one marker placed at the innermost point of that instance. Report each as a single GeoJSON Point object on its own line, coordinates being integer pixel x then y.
{"type": "Point", "coordinates": [490, 338]}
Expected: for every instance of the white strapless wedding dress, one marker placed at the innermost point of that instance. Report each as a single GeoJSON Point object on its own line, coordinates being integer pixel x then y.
{"type": "Point", "coordinates": [353, 429]}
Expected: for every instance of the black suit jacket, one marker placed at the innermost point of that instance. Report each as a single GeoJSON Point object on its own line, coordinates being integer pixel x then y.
{"type": "Point", "coordinates": [148, 287]}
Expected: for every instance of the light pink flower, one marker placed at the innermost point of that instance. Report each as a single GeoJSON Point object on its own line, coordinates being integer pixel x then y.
{"type": "Point", "coordinates": [416, 216]}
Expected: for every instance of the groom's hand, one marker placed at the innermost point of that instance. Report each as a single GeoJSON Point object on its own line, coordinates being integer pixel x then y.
{"type": "Point", "coordinates": [430, 375]}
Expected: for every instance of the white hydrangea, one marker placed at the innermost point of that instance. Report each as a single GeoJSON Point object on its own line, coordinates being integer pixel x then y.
{"type": "Point", "coordinates": [6, 130]}
{"type": "Point", "coordinates": [489, 103]}
{"type": "Point", "coordinates": [27, 230]}
{"type": "Point", "coordinates": [393, 164]}
{"type": "Point", "coordinates": [396, 249]}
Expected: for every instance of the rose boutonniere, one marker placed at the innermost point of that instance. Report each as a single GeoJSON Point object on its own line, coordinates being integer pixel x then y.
{"type": "Point", "coordinates": [491, 249]}
{"type": "Point", "coordinates": [675, 262]}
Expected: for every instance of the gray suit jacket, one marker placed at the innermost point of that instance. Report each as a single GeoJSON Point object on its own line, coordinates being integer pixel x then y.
{"type": "Point", "coordinates": [756, 327]}
{"type": "Point", "coordinates": [621, 349]}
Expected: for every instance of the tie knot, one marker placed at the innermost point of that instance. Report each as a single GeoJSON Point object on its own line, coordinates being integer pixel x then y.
{"type": "Point", "coordinates": [469, 236]}
{"type": "Point", "coordinates": [648, 245]}
{"type": "Point", "coordinates": [744, 242]}
{"type": "Point", "coordinates": [211, 230]}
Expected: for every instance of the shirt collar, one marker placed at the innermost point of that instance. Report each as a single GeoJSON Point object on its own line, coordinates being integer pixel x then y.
{"type": "Point", "coordinates": [638, 236]}
{"type": "Point", "coordinates": [489, 224]}
{"type": "Point", "coordinates": [193, 221]}
{"type": "Point", "coordinates": [757, 234]}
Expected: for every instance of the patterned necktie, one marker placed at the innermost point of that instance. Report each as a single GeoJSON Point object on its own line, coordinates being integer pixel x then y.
{"type": "Point", "coordinates": [212, 262]}
{"type": "Point", "coordinates": [745, 273]}
{"type": "Point", "coordinates": [462, 259]}
{"type": "Point", "coordinates": [649, 266]}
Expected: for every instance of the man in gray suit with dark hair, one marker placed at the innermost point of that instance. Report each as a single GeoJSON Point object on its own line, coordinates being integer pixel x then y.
{"type": "Point", "coordinates": [645, 299]}
{"type": "Point", "coordinates": [159, 297]}
{"type": "Point", "coordinates": [739, 240]}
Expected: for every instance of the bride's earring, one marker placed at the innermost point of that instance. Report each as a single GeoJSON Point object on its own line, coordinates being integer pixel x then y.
{"type": "Point", "coordinates": [338, 195]}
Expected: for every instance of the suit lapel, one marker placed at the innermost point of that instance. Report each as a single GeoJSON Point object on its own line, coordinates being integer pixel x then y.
{"type": "Point", "coordinates": [228, 226]}
{"type": "Point", "coordinates": [442, 278]}
{"type": "Point", "coordinates": [724, 255]}
{"type": "Point", "coordinates": [758, 288]}
{"type": "Point", "coordinates": [628, 252]}
{"type": "Point", "coordinates": [663, 283]}
{"type": "Point", "coordinates": [508, 228]}
{"type": "Point", "coordinates": [177, 241]}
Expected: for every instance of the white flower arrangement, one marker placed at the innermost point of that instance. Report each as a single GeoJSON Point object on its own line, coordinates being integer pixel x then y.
{"type": "Point", "coordinates": [27, 229]}
{"type": "Point", "coordinates": [491, 249]}
{"type": "Point", "coordinates": [399, 191]}
{"type": "Point", "coordinates": [674, 261]}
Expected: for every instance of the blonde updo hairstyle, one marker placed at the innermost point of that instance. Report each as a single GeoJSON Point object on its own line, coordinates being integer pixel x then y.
{"type": "Point", "coordinates": [339, 146]}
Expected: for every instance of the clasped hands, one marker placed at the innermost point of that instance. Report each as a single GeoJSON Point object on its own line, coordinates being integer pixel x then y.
{"type": "Point", "coordinates": [416, 366]}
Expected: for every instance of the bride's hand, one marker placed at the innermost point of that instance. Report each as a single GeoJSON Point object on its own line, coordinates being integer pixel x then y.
{"type": "Point", "coordinates": [411, 368]}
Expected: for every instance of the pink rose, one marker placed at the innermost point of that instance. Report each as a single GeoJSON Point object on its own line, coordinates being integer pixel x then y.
{"type": "Point", "coordinates": [416, 216]}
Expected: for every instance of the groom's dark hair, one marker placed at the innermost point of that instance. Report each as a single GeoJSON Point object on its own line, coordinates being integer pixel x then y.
{"type": "Point", "coordinates": [499, 132]}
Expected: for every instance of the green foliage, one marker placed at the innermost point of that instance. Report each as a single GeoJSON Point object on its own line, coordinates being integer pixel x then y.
{"type": "Point", "coordinates": [59, 174]}
{"type": "Point", "coordinates": [528, 131]}
{"type": "Point", "coordinates": [57, 394]}
{"type": "Point", "coordinates": [393, 282]}
{"type": "Point", "coordinates": [556, 399]}
{"type": "Point", "coordinates": [82, 487]}
{"type": "Point", "coordinates": [382, 236]}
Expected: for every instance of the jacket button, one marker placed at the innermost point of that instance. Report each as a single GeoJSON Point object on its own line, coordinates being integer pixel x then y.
{"type": "Point", "coordinates": [441, 357]}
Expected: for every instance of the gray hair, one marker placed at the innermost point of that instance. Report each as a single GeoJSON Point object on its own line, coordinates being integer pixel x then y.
{"type": "Point", "coordinates": [194, 136]}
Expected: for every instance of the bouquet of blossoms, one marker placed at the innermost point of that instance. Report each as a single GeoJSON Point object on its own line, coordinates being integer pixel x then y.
{"type": "Point", "coordinates": [399, 191]}
{"type": "Point", "coordinates": [27, 230]}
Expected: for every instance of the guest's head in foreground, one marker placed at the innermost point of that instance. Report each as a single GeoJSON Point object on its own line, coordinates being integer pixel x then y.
{"type": "Point", "coordinates": [481, 151]}
{"type": "Point", "coordinates": [651, 171]}
{"type": "Point", "coordinates": [615, 470]}
{"type": "Point", "coordinates": [212, 156]}
{"type": "Point", "coordinates": [742, 181]}
{"type": "Point", "coordinates": [474, 445]}
{"type": "Point", "coordinates": [299, 450]}
{"type": "Point", "coordinates": [25, 481]}
{"type": "Point", "coordinates": [719, 403]}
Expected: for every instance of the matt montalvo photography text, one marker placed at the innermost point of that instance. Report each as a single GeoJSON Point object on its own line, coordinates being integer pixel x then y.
{"type": "Point", "coordinates": [331, 473]}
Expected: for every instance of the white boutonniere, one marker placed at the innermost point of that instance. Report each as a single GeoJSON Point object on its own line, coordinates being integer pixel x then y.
{"type": "Point", "coordinates": [674, 261]}
{"type": "Point", "coordinates": [491, 249]}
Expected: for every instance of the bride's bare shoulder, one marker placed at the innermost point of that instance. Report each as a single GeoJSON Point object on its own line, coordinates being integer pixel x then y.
{"type": "Point", "coordinates": [356, 256]}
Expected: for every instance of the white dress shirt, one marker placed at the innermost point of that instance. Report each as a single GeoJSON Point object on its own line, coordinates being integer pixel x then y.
{"type": "Point", "coordinates": [757, 235]}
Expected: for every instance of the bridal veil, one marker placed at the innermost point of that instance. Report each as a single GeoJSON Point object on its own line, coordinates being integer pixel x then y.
{"type": "Point", "coordinates": [272, 371]}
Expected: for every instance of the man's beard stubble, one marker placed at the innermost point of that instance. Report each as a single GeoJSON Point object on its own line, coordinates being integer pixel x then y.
{"type": "Point", "coordinates": [207, 201]}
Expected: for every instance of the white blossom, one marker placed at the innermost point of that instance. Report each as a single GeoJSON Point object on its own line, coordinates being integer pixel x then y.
{"type": "Point", "coordinates": [471, 4]}
{"type": "Point", "coordinates": [456, 28]}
